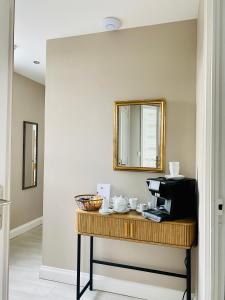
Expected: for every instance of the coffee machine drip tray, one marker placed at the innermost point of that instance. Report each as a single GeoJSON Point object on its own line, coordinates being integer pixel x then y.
{"type": "Point", "coordinates": [160, 212]}
{"type": "Point", "coordinates": [156, 215]}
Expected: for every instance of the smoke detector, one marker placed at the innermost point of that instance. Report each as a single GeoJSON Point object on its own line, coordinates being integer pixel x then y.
{"type": "Point", "coordinates": [111, 23]}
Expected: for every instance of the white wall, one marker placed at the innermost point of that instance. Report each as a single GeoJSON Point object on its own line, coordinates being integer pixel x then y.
{"type": "Point", "coordinates": [85, 75]}
{"type": "Point", "coordinates": [28, 105]}
{"type": "Point", "coordinates": [210, 148]}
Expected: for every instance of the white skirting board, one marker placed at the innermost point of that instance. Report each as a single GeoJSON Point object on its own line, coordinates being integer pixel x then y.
{"type": "Point", "coordinates": [112, 285]}
{"type": "Point", "coordinates": [25, 227]}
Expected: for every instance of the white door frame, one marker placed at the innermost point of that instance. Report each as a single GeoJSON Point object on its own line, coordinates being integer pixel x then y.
{"type": "Point", "coordinates": [219, 148]}
{"type": "Point", "coordinates": [210, 152]}
{"type": "Point", "coordinates": [6, 73]}
{"type": "Point", "coordinates": [220, 142]}
{"type": "Point", "coordinates": [222, 191]}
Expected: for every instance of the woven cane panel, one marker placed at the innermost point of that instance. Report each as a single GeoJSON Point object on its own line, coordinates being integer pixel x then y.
{"type": "Point", "coordinates": [181, 233]}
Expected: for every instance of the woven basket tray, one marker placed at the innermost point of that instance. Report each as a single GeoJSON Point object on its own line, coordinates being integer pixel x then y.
{"type": "Point", "coordinates": [88, 202]}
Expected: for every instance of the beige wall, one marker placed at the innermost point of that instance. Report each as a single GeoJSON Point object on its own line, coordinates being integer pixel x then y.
{"type": "Point", "coordinates": [85, 75]}
{"type": "Point", "coordinates": [28, 105]}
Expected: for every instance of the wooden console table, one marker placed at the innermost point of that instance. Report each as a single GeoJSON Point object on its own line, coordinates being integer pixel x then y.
{"type": "Point", "coordinates": [133, 227]}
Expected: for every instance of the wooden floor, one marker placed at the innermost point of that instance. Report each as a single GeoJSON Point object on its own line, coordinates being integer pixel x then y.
{"type": "Point", "coordinates": [24, 282]}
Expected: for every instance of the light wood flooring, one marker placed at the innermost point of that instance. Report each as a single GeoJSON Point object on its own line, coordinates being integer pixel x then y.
{"type": "Point", "coordinates": [24, 282]}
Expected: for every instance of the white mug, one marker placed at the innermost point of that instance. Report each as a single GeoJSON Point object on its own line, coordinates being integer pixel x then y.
{"type": "Point", "coordinates": [151, 205]}
{"type": "Point", "coordinates": [133, 203]}
{"type": "Point", "coordinates": [174, 167]}
{"type": "Point", "coordinates": [142, 206]}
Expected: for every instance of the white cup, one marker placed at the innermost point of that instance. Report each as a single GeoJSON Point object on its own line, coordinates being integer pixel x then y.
{"type": "Point", "coordinates": [151, 205]}
{"type": "Point", "coordinates": [174, 167]}
{"type": "Point", "coordinates": [142, 206]}
{"type": "Point", "coordinates": [133, 203]}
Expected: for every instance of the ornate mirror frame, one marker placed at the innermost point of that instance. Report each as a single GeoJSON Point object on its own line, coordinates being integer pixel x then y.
{"type": "Point", "coordinates": [162, 104]}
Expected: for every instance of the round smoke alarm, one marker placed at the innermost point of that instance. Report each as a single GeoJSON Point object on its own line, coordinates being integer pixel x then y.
{"type": "Point", "coordinates": [111, 23]}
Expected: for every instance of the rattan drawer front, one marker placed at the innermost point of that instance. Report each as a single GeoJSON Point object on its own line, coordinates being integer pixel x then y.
{"type": "Point", "coordinates": [181, 235]}
{"type": "Point", "coordinates": [133, 227]}
{"type": "Point", "coordinates": [105, 226]}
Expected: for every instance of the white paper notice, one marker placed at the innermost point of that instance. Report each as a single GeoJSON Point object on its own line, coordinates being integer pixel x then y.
{"type": "Point", "coordinates": [103, 189]}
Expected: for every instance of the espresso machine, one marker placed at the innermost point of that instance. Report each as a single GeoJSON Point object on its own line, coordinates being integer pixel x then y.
{"type": "Point", "coordinates": [172, 199]}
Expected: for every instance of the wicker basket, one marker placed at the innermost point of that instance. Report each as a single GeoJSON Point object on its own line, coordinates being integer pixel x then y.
{"type": "Point", "coordinates": [88, 202]}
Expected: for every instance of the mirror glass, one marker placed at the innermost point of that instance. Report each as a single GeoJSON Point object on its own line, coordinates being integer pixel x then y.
{"type": "Point", "coordinates": [30, 147]}
{"type": "Point", "coordinates": [139, 135]}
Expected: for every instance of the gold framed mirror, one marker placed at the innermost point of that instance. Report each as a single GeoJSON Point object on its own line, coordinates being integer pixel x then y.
{"type": "Point", "coordinates": [139, 135]}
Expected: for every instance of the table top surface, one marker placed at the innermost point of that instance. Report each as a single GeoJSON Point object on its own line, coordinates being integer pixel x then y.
{"type": "Point", "coordinates": [133, 215]}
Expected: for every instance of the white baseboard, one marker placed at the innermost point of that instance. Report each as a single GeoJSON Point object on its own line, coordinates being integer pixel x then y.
{"type": "Point", "coordinates": [25, 227]}
{"type": "Point", "coordinates": [112, 285]}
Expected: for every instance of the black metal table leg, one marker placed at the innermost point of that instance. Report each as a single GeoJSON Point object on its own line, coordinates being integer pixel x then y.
{"type": "Point", "coordinates": [188, 267]}
{"type": "Point", "coordinates": [78, 265]}
{"type": "Point", "coordinates": [91, 263]}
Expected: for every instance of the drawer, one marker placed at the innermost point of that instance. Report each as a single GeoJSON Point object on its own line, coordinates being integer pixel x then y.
{"type": "Point", "coordinates": [103, 225]}
{"type": "Point", "coordinates": [168, 233]}
{"type": "Point", "coordinates": [174, 233]}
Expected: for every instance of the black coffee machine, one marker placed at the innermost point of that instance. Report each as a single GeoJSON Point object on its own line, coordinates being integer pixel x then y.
{"type": "Point", "coordinates": [174, 199]}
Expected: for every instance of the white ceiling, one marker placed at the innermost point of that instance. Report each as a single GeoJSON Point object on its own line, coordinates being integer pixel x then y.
{"type": "Point", "coordinates": [39, 20]}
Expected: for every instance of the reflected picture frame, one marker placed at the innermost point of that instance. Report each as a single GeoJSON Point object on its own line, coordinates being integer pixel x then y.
{"type": "Point", "coordinates": [162, 104]}
{"type": "Point", "coordinates": [24, 186]}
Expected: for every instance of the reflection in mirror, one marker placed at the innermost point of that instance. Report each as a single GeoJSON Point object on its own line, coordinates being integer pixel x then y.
{"type": "Point", "coordinates": [30, 148]}
{"type": "Point", "coordinates": [139, 135]}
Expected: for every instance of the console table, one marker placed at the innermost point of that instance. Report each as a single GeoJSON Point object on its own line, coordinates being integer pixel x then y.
{"type": "Point", "coordinates": [133, 227]}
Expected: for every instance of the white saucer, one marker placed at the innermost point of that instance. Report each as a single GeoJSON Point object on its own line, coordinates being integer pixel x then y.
{"type": "Point", "coordinates": [106, 212]}
{"type": "Point", "coordinates": [122, 212]}
{"type": "Point", "coordinates": [174, 177]}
